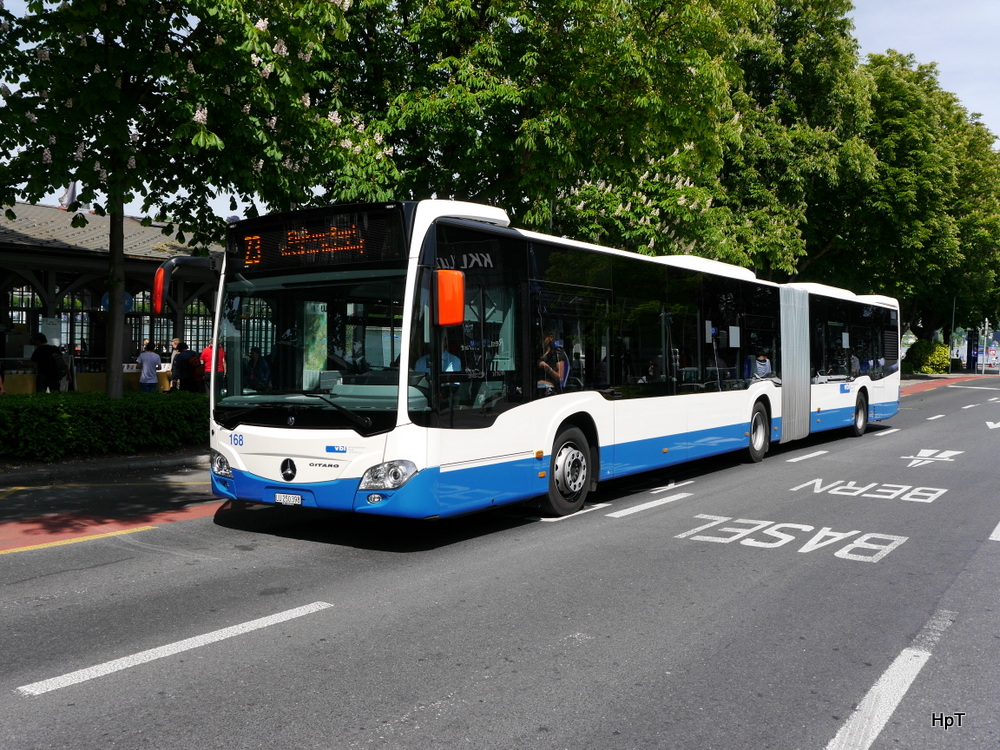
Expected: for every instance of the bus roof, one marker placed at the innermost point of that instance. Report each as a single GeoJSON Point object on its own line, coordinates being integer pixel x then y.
{"type": "Point", "coordinates": [689, 262]}
{"type": "Point", "coordinates": [838, 293]}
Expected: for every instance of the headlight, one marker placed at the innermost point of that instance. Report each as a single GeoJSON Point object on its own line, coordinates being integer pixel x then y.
{"type": "Point", "coordinates": [220, 465]}
{"type": "Point", "coordinates": [388, 476]}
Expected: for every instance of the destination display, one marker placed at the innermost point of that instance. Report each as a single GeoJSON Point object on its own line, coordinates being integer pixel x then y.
{"type": "Point", "coordinates": [319, 238]}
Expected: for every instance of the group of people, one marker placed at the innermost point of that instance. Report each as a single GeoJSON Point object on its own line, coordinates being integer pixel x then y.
{"type": "Point", "coordinates": [189, 370]}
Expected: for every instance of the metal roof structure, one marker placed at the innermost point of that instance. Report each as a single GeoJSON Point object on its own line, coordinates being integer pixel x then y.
{"type": "Point", "coordinates": [38, 226]}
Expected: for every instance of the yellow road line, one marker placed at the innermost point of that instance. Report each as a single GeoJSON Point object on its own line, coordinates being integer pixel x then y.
{"type": "Point", "coordinates": [77, 539]}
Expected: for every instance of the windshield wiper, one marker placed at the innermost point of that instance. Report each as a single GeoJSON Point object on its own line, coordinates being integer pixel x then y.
{"type": "Point", "coordinates": [363, 422]}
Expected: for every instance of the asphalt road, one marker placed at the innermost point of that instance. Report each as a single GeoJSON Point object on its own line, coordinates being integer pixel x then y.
{"type": "Point", "coordinates": [841, 594]}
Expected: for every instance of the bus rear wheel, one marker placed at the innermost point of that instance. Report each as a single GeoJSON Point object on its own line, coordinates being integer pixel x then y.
{"type": "Point", "coordinates": [860, 423]}
{"type": "Point", "coordinates": [760, 433]}
{"type": "Point", "coordinates": [569, 473]}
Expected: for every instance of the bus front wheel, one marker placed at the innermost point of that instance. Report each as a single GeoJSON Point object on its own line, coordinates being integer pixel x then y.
{"type": "Point", "coordinates": [760, 433]}
{"type": "Point", "coordinates": [569, 473]}
{"type": "Point", "coordinates": [860, 423]}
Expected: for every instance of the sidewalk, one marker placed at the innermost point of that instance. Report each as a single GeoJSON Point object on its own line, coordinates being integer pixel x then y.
{"type": "Point", "coordinates": [919, 383]}
{"type": "Point", "coordinates": [15, 472]}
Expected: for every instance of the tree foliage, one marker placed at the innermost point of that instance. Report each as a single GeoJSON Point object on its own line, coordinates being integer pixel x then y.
{"type": "Point", "coordinates": [925, 227]}
{"type": "Point", "coordinates": [543, 106]}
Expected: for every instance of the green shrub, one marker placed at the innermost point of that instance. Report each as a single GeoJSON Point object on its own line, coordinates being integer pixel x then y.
{"type": "Point", "coordinates": [50, 426]}
{"type": "Point", "coordinates": [927, 357]}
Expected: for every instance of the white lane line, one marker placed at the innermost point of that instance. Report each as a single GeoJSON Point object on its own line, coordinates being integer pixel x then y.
{"type": "Point", "coordinates": [671, 486]}
{"type": "Point", "coordinates": [808, 455]}
{"type": "Point", "coordinates": [995, 536]}
{"type": "Point", "coordinates": [649, 505]}
{"type": "Point", "coordinates": [877, 707]}
{"type": "Point", "coordinates": [970, 406]}
{"type": "Point", "coordinates": [116, 665]}
{"type": "Point", "coordinates": [585, 509]}
{"type": "Point", "coordinates": [886, 432]}
{"type": "Point", "coordinates": [938, 416]}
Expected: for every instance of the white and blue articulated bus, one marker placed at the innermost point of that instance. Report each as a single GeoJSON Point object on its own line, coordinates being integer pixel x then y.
{"type": "Point", "coordinates": [423, 359]}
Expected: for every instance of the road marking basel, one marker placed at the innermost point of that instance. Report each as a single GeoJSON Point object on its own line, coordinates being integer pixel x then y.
{"type": "Point", "coordinates": [143, 657]}
{"type": "Point", "coordinates": [877, 707]}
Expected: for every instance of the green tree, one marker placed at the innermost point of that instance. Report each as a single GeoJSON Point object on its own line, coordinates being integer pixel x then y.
{"type": "Point", "coordinates": [174, 103]}
{"type": "Point", "coordinates": [925, 228]}
{"type": "Point", "coordinates": [803, 107]}
{"type": "Point", "coordinates": [541, 106]}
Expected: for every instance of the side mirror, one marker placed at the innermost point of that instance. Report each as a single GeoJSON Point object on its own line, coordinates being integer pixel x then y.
{"type": "Point", "coordinates": [450, 305]}
{"type": "Point", "coordinates": [161, 279]}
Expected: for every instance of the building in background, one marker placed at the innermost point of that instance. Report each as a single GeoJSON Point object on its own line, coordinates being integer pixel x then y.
{"type": "Point", "coordinates": [53, 280]}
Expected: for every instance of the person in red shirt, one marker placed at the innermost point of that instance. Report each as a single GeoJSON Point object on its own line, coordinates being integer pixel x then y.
{"type": "Point", "coordinates": [220, 363]}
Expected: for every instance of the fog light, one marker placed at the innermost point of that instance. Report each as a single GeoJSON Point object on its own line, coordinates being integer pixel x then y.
{"type": "Point", "coordinates": [375, 498]}
{"type": "Point", "coordinates": [220, 465]}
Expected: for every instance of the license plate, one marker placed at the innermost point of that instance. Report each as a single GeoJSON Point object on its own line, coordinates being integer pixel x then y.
{"type": "Point", "coordinates": [284, 499]}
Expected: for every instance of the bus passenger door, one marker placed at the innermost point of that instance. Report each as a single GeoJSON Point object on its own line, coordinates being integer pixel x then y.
{"type": "Point", "coordinates": [796, 374]}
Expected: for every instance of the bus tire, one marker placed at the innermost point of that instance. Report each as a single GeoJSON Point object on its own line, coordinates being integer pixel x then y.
{"type": "Point", "coordinates": [569, 473]}
{"type": "Point", "coordinates": [760, 433]}
{"type": "Point", "coordinates": [860, 423]}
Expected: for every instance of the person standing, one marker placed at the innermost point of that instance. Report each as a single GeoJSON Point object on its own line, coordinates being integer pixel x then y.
{"type": "Point", "coordinates": [173, 355]}
{"type": "Point", "coordinates": [47, 374]}
{"type": "Point", "coordinates": [149, 361]}
{"type": "Point", "coordinates": [212, 367]}
{"type": "Point", "coordinates": [183, 369]}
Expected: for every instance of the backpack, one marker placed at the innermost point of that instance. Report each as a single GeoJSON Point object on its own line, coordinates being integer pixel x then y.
{"type": "Point", "coordinates": [59, 368]}
{"type": "Point", "coordinates": [197, 369]}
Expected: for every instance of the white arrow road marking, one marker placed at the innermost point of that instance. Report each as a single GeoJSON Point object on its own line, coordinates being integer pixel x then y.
{"type": "Point", "coordinates": [930, 455]}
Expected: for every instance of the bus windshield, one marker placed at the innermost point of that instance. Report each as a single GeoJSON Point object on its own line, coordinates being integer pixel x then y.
{"type": "Point", "coordinates": [312, 350]}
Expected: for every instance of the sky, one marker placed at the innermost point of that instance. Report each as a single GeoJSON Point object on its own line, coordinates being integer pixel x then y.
{"type": "Point", "coordinates": [961, 36]}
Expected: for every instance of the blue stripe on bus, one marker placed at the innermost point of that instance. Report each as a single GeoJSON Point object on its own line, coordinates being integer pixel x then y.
{"type": "Point", "coordinates": [833, 419]}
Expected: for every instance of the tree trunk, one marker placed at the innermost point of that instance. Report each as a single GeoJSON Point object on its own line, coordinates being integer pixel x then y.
{"type": "Point", "coordinates": [116, 297]}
